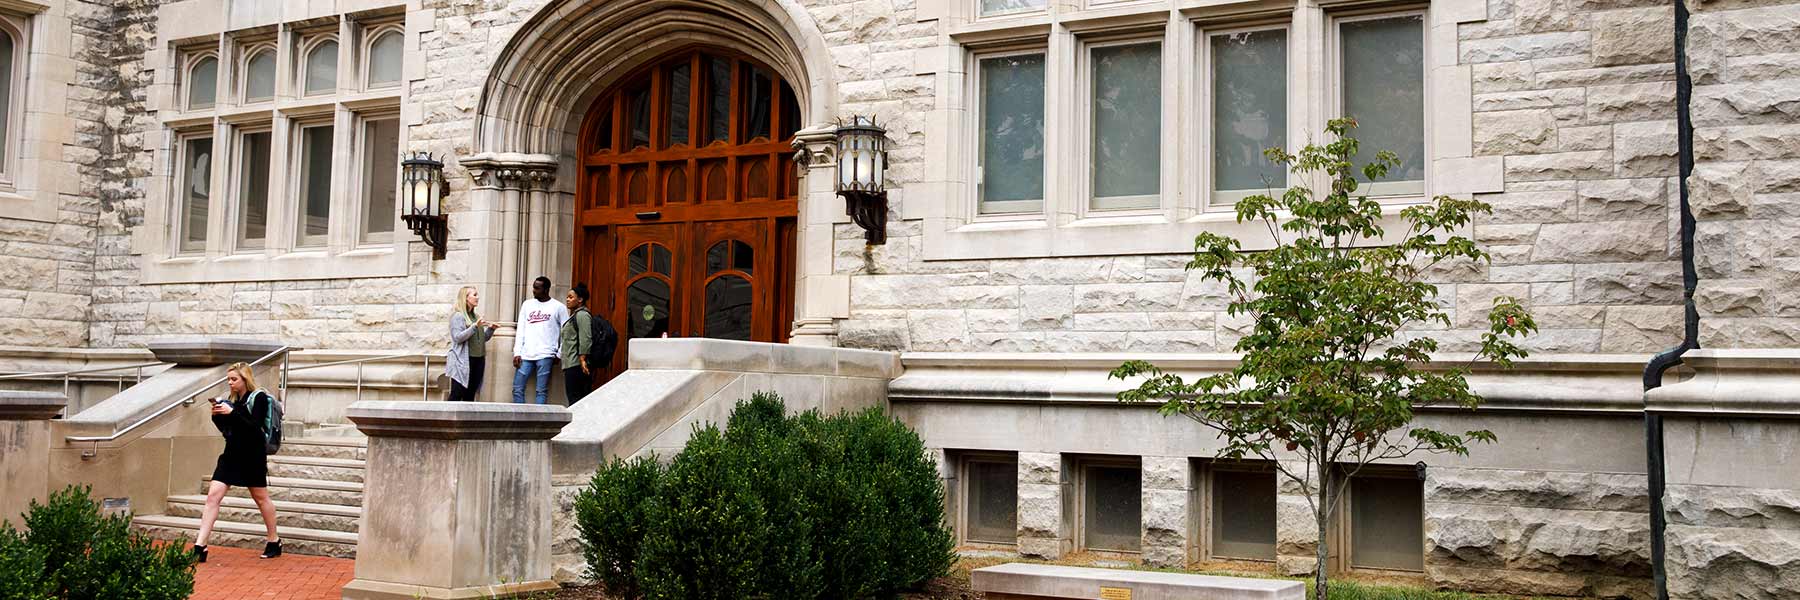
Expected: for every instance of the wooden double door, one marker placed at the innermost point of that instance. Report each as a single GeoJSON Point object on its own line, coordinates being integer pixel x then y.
{"type": "Point", "coordinates": [687, 206]}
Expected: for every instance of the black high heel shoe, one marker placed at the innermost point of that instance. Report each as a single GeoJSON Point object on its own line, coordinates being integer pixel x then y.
{"type": "Point", "coordinates": [272, 549]}
{"type": "Point", "coordinates": [199, 553]}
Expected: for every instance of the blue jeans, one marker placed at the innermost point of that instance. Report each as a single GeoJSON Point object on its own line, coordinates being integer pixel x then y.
{"type": "Point", "coordinates": [540, 367]}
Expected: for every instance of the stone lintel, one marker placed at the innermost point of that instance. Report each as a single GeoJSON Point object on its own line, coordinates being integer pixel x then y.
{"type": "Point", "coordinates": [1727, 382]}
{"type": "Point", "coordinates": [365, 589]}
{"type": "Point", "coordinates": [458, 420]}
{"type": "Point", "coordinates": [31, 406]}
{"type": "Point", "coordinates": [1041, 581]}
{"type": "Point", "coordinates": [211, 351]}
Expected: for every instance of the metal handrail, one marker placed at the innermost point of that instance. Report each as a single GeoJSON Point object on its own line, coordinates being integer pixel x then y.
{"type": "Point", "coordinates": [65, 375]}
{"type": "Point", "coordinates": [184, 401]}
{"type": "Point", "coordinates": [424, 380]}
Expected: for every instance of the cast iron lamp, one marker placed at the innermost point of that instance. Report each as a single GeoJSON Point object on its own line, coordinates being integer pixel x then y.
{"type": "Point", "coordinates": [422, 180]}
{"type": "Point", "coordinates": [861, 170]}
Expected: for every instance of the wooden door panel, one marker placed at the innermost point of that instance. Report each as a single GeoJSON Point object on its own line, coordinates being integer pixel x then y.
{"type": "Point", "coordinates": [731, 297]}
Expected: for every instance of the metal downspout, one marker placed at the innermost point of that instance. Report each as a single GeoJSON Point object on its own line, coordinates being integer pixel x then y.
{"type": "Point", "coordinates": [1690, 340]}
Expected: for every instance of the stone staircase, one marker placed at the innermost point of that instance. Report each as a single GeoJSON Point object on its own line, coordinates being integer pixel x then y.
{"type": "Point", "coordinates": [317, 486]}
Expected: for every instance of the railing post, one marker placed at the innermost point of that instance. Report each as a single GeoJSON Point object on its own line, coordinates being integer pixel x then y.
{"type": "Point", "coordinates": [359, 366]}
{"type": "Point", "coordinates": [478, 523]}
{"type": "Point", "coordinates": [425, 381]}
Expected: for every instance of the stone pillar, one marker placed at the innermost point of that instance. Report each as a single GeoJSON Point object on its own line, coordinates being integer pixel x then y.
{"type": "Point", "coordinates": [821, 296]}
{"type": "Point", "coordinates": [458, 500]}
{"type": "Point", "coordinates": [25, 449]}
{"type": "Point", "coordinates": [1167, 489]}
{"type": "Point", "coordinates": [506, 244]}
{"type": "Point", "coordinates": [1044, 526]}
{"type": "Point", "coordinates": [1296, 533]}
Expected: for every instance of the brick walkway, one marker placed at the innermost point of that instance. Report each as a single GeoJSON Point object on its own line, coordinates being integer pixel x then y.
{"type": "Point", "coordinates": [236, 573]}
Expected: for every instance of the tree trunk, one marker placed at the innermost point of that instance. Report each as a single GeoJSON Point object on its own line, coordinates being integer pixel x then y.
{"type": "Point", "coordinates": [1320, 584]}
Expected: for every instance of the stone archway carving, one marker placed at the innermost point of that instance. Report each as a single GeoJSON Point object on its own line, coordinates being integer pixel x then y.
{"type": "Point", "coordinates": [530, 111]}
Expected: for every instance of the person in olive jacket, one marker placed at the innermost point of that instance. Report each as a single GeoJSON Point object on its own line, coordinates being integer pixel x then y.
{"type": "Point", "coordinates": [240, 417]}
{"type": "Point", "coordinates": [577, 341]}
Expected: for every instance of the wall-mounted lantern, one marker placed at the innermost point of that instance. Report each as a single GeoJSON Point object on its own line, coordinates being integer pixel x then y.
{"type": "Point", "coordinates": [862, 172]}
{"type": "Point", "coordinates": [422, 183]}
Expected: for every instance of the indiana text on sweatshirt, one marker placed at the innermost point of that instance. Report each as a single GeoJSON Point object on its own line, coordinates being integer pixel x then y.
{"type": "Point", "coordinates": [539, 323]}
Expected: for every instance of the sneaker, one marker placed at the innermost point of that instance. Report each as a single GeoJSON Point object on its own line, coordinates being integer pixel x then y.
{"type": "Point", "coordinates": [272, 549]}
{"type": "Point", "coordinates": [199, 553]}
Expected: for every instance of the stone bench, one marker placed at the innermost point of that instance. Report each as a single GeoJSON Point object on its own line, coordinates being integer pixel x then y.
{"type": "Point", "coordinates": [1024, 581]}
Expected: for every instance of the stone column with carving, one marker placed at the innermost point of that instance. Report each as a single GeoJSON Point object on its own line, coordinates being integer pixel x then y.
{"type": "Point", "coordinates": [821, 296]}
{"type": "Point", "coordinates": [503, 249]}
{"type": "Point", "coordinates": [1044, 530]}
{"type": "Point", "coordinates": [25, 449]}
{"type": "Point", "coordinates": [458, 500]}
{"type": "Point", "coordinates": [1167, 488]}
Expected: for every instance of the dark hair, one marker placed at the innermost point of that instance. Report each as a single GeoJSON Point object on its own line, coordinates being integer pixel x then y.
{"type": "Point", "coordinates": [580, 291]}
{"type": "Point", "coordinates": [544, 279]}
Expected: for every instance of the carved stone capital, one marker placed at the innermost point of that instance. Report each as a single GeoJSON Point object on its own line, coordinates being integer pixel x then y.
{"type": "Point", "coordinates": [815, 148]}
{"type": "Point", "coordinates": [511, 170]}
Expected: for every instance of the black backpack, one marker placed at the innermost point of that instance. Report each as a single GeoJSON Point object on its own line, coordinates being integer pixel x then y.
{"type": "Point", "coordinates": [605, 340]}
{"type": "Point", "coordinates": [271, 426]}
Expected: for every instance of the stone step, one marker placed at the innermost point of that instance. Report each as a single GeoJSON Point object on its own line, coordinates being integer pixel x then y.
{"type": "Point", "coordinates": [314, 491]}
{"type": "Point", "coordinates": [308, 467]}
{"type": "Point", "coordinates": [327, 517]}
{"type": "Point", "coordinates": [294, 540]}
{"type": "Point", "coordinates": [316, 447]}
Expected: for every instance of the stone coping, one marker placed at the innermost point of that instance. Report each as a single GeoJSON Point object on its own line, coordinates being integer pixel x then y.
{"type": "Point", "coordinates": [1556, 384]}
{"type": "Point", "coordinates": [701, 354]}
{"type": "Point", "coordinates": [458, 420]}
{"type": "Point", "coordinates": [211, 351]}
{"type": "Point", "coordinates": [1057, 581]}
{"type": "Point", "coordinates": [31, 406]}
{"type": "Point", "coordinates": [1727, 382]}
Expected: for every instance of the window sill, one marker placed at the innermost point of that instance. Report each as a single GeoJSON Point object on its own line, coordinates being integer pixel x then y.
{"type": "Point", "coordinates": [949, 239]}
{"type": "Point", "coordinates": [292, 266]}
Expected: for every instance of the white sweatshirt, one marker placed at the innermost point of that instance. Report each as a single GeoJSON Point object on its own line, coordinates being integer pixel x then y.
{"type": "Point", "coordinates": [539, 325]}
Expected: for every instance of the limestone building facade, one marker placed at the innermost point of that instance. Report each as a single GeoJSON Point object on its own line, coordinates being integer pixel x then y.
{"type": "Point", "coordinates": [230, 167]}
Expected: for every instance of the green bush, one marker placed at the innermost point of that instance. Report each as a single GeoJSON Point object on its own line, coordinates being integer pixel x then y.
{"type": "Point", "coordinates": [74, 553]}
{"type": "Point", "coordinates": [610, 515]}
{"type": "Point", "coordinates": [773, 507]}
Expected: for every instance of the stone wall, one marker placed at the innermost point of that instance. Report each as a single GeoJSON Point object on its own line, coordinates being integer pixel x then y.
{"type": "Point", "coordinates": [1576, 99]}
{"type": "Point", "coordinates": [1746, 182]}
{"type": "Point", "coordinates": [1536, 532]}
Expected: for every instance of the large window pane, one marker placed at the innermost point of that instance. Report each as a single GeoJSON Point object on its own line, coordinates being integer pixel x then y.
{"type": "Point", "coordinates": [384, 60]}
{"type": "Point", "coordinates": [253, 190]}
{"type": "Point", "coordinates": [1012, 133]}
{"type": "Point", "coordinates": [1003, 7]}
{"type": "Point", "coordinates": [259, 76]}
{"type": "Point", "coordinates": [1243, 521]}
{"type": "Point", "coordinates": [1387, 524]}
{"type": "Point", "coordinates": [718, 103]}
{"type": "Point", "coordinates": [680, 96]}
{"type": "Point", "coordinates": [203, 83]}
{"type": "Point", "coordinates": [1384, 90]}
{"type": "Point", "coordinates": [1249, 109]}
{"type": "Point", "coordinates": [315, 184]}
{"type": "Point", "coordinates": [321, 68]}
{"type": "Point", "coordinates": [993, 502]}
{"type": "Point", "coordinates": [381, 172]}
{"type": "Point", "coordinates": [757, 95]}
{"type": "Point", "coordinates": [1127, 121]}
{"type": "Point", "coordinates": [1113, 500]}
{"type": "Point", "coordinates": [196, 191]}
{"type": "Point", "coordinates": [6, 79]}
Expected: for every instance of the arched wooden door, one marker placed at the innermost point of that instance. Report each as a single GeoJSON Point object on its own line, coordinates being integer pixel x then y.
{"type": "Point", "coordinates": [686, 211]}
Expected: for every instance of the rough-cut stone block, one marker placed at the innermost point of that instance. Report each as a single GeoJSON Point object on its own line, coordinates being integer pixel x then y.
{"type": "Point", "coordinates": [1617, 241]}
{"type": "Point", "coordinates": [1645, 149]}
{"type": "Point", "coordinates": [1595, 164]}
{"type": "Point", "coordinates": [1622, 199]}
{"type": "Point", "coordinates": [1628, 283]}
{"type": "Point", "coordinates": [1166, 472]}
{"type": "Point", "coordinates": [1721, 190]}
{"type": "Point", "coordinates": [1040, 468]}
{"type": "Point", "coordinates": [1644, 35]}
{"type": "Point", "coordinates": [1641, 329]}
{"type": "Point", "coordinates": [1514, 131]}
{"type": "Point", "coordinates": [1474, 300]}
{"type": "Point", "coordinates": [1735, 563]}
{"type": "Point", "coordinates": [1631, 102]}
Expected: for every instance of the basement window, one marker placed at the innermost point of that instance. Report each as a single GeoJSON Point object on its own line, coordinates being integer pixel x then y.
{"type": "Point", "coordinates": [991, 498]}
{"type": "Point", "coordinates": [1243, 513]}
{"type": "Point", "coordinates": [1387, 522]}
{"type": "Point", "coordinates": [1111, 493]}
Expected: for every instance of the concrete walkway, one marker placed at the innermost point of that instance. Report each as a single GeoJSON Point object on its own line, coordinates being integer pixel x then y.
{"type": "Point", "coordinates": [236, 573]}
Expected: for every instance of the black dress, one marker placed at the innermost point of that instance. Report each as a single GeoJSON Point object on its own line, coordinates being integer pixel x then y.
{"type": "Point", "coordinates": [244, 463]}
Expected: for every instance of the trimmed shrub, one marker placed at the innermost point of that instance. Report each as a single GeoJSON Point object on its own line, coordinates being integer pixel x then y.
{"type": "Point", "coordinates": [77, 554]}
{"type": "Point", "coordinates": [610, 515]}
{"type": "Point", "coordinates": [774, 507]}
{"type": "Point", "coordinates": [21, 568]}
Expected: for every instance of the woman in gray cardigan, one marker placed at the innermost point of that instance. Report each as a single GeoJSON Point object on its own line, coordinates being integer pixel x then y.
{"type": "Point", "coordinates": [466, 362]}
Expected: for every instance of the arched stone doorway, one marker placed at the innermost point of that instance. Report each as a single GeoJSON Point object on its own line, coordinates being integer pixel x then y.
{"type": "Point", "coordinates": [529, 164]}
{"type": "Point", "coordinates": [685, 210]}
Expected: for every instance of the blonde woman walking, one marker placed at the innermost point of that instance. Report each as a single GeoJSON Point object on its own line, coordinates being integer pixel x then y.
{"type": "Point", "coordinates": [467, 359]}
{"type": "Point", "coordinates": [242, 417]}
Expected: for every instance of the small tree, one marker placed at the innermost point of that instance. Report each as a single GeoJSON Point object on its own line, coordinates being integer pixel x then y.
{"type": "Point", "coordinates": [1327, 375]}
